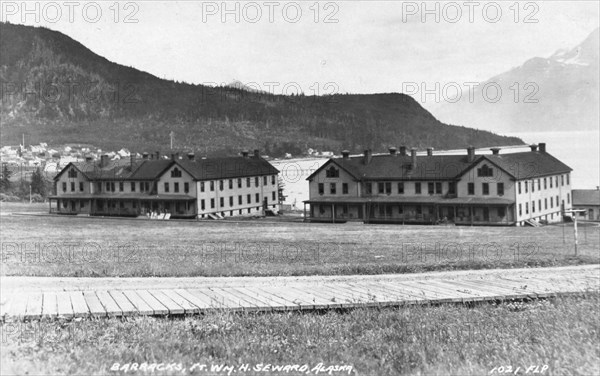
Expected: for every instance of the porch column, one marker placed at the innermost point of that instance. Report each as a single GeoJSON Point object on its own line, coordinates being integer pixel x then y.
{"type": "Point", "coordinates": [304, 211]}
{"type": "Point", "coordinates": [403, 214]}
{"type": "Point", "coordinates": [471, 214]}
{"type": "Point", "coordinates": [332, 213]}
{"type": "Point", "coordinates": [49, 206]}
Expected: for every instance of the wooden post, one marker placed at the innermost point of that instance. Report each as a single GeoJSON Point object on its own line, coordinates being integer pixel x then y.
{"type": "Point", "coordinates": [575, 231]}
{"type": "Point", "coordinates": [332, 213]}
{"type": "Point", "coordinates": [304, 211]}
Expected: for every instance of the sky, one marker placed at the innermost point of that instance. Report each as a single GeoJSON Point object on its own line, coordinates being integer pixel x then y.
{"type": "Point", "coordinates": [317, 47]}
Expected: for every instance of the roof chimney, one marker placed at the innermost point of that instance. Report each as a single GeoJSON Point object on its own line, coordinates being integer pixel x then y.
{"type": "Point", "coordinates": [345, 154]}
{"type": "Point", "coordinates": [495, 151]}
{"type": "Point", "coordinates": [413, 159]}
{"type": "Point", "coordinates": [256, 153]}
{"type": "Point", "coordinates": [157, 155]}
{"type": "Point", "coordinates": [542, 146]}
{"type": "Point", "coordinates": [403, 151]}
{"type": "Point", "coordinates": [103, 161]}
{"type": "Point", "coordinates": [429, 152]}
{"type": "Point", "coordinates": [145, 155]}
{"type": "Point", "coordinates": [533, 147]}
{"type": "Point", "coordinates": [367, 156]}
{"type": "Point", "coordinates": [191, 156]}
{"type": "Point", "coordinates": [245, 153]}
{"type": "Point", "coordinates": [131, 159]}
{"type": "Point", "coordinates": [88, 158]}
{"type": "Point", "coordinates": [392, 150]}
{"type": "Point", "coordinates": [470, 153]}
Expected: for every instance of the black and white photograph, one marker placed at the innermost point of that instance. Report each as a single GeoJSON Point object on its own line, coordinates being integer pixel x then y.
{"type": "Point", "coordinates": [309, 187]}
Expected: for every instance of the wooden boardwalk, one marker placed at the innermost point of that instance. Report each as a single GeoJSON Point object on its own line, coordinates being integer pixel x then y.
{"type": "Point", "coordinates": [294, 294]}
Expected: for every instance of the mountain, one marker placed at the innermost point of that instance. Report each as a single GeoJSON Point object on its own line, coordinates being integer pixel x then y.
{"type": "Point", "coordinates": [557, 93]}
{"type": "Point", "coordinates": [58, 91]}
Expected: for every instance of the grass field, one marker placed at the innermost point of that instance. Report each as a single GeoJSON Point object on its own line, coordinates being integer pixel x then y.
{"type": "Point", "coordinates": [561, 335]}
{"type": "Point", "coordinates": [79, 246]}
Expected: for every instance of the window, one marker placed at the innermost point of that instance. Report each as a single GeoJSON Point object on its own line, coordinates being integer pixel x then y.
{"type": "Point", "coordinates": [519, 187]}
{"type": "Point", "coordinates": [430, 187]}
{"type": "Point", "coordinates": [121, 187]}
{"type": "Point", "coordinates": [257, 197]}
{"type": "Point", "coordinates": [247, 182]}
{"type": "Point", "coordinates": [557, 204]}
{"type": "Point", "coordinates": [239, 183]}
{"type": "Point", "coordinates": [273, 196]}
{"type": "Point", "coordinates": [533, 206]}
{"type": "Point", "coordinates": [201, 186]}
{"type": "Point", "coordinates": [230, 200]}
{"type": "Point", "coordinates": [64, 186]}
{"type": "Point", "coordinates": [72, 173]}
{"type": "Point", "coordinates": [500, 189]}
{"type": "Point", "coordinates": [551, 203]}
{"type": "Point", "coordinates": [332, 172]}
{"type": "Point", "coordinates": [526, 208]}
{"type": "Point", "coordinates": [345, 188]}
{"type": "Point", "coordinates": [240, 200]}
{"type": "Point", "coordinates": [388, 188]}
{"type": "Point", "coordinates": [550, 182]}
{"type": "Point", "coordinates": [99, 187]}
{"type": "Point", "coordinates": [539, 185]}
{"type": "Point", "coordinates": [147, 184]}
{"type": "Point", "coordinates": [451, 188]}
{"type": "Point", "coordinates": [532, 186]}
{"type": "Point", "coordinates": [273, 179]}
{"type": "Point", "coordinates": [485, 188]}
{"type": "Point", "coordinates": [230, 184]}
{"type": "Point", "coordinates": [202, 205]}
{"type": "Point", "coordinates": [562, 180]}
{"type": "Point", "coordinates": [132, 186]}
{"type": "Point", "coordinates": [568, 179]}
{"type": "Point", "coordinates": [107, 186]}
{"type": "Point", "coordinates": [72, 186]}
{"type": "Point", "coordinates": [256, 181]}
{"type": "Point", "coordinates": [166, 187]}
{"type": "Point", "coordinates": [557, 181]}
{"type": "Point", "coordinates": [265, 180]}
{"type": "Point", "coordinates": [471, 188]}
{"type": "Point", "coordinates": [568, 198]}
{"type": "Point", "coordinates": [212, 185]}
{"type": "Point", "coordinates": [526, 186]}
{"type": "Point", "coordinates": [221, 202]}
{"type": "Point", "coordinates": [321, 188]}
{"type": "Point", "coordinates": [418, 188]}
{"type": "Point", "coordinates": [175, 173]}
{"type": "Point", "coordinates": [545, 204]}
{"type": "Point", "coordinates": [220, 185]}
{"type": "Point", "coordinates": [212, 203]}
{"type": "Point", "coordinates": [485, 171]}
{"type": "Point", "coordinates": [380, 187]}
{"type": "Point", "coordinates": [176, 187]}
{"type": "Point", "coordinates": [186, 187]}
{"type": "Point", "coordinates": [80, 186]}
{"type": "Point", "coordinates": [369, 188]}
{"type": "Point", "coordinates": [112, 186]}
{"type": "Point", "coordinates": [545, 183]}
{"type": "Point", "coordinates": [332, 188]}
{"type": "Point", "coordinates": [438, 188]}
{"type": "Point", "coordinates": [540, 204]}
{"type": "Point", "coordinates": [249, 198]}
{"type": "Point", "coordinates": [520, 211]}
{"type": "Point", "coordinates": [401, 188]}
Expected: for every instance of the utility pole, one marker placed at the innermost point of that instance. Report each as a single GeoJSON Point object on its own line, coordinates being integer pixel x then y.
{"type": "Point", "coordinates": [172, 134]}
{"type": "Point", "coordinates": [575, 212]}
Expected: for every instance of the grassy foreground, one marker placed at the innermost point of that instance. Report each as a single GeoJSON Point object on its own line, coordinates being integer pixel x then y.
{"type": "Point", "coordinates": [561, 337]}
{"type": "Point", "coordinates": [69, 246]}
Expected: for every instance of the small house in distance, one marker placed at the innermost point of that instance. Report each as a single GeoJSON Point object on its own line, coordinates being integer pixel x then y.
{"type": "Point", "coordinates": [588, 200]}
{"type": "Point", "coordinates": [180, 187]}
{"type": "Point", "coordinates": [401, 187]}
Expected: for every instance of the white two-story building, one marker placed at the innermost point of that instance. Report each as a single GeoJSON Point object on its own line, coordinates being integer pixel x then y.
{"type": "Point", "coordinates": [400, 187]}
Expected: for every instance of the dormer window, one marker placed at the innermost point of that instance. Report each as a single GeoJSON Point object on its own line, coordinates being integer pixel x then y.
{"type": "Point", "coordinates": [485, 171]}
{"type": "Point", "coordinates": [332, 172]}
{"type": "Point", "coordinates": [72, 173]}
{"type": "Point", "coordinates": [175, 173]}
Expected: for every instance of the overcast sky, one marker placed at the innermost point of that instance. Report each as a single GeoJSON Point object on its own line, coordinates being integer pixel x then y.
{"type": "Point", "coordinates": [360, 46]}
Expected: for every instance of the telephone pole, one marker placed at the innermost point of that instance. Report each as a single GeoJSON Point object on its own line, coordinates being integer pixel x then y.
{"type": "Point", "coordinates": [172, 134]}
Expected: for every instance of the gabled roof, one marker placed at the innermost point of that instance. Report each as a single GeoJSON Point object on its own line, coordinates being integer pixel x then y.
{"type": "Point", "coordinates": [527, 165]}
{"type": "Point", "coordinates": [524, 165]}
{"type": "Point", "coordinates": [202, 169]}
{"type": "Point", "coordinates": [393, 167]}
{"type": "Point", "coordinates": [586, 197]}
{"type": "Point", "coordinates": [227, 168]}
